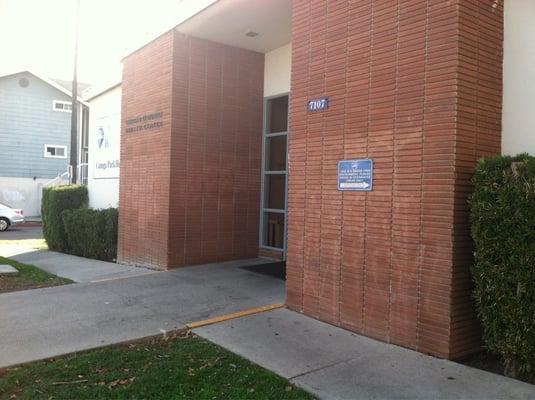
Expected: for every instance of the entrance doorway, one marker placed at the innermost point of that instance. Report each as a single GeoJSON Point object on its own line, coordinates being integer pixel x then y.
{"type": "Point", "coordinates": [274, 174]}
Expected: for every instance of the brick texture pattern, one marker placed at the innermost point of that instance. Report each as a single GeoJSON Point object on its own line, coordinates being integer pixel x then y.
{"type": "Point", "coordinates": [190, 191]}
{"type": "Point", "coordinates": [416, 86]}
{"type": "Point", "coordinates": [145, 156]}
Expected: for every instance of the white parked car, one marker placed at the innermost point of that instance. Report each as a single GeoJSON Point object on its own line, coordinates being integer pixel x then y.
{"type": "Point", "coordinates": [9, 216]}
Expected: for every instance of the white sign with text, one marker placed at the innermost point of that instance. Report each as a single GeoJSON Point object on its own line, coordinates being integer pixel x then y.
{"type": "Point", "coordinates": [107, 147]}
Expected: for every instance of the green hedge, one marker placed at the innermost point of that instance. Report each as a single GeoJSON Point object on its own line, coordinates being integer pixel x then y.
{"type": "Point", "coordinates": [55, 200]}
{"type": "Point", "coordinates": [503, 229]}
{"type": "Point", "coordinates": [92, 233]}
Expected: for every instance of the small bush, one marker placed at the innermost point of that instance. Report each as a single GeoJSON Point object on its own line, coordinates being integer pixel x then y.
{"type": "Point", "coordinates": [55, 200]}
{"type": "Point", "coordinates": [503, 229]}
{"type": "Point", "coordinates": [92, 233]}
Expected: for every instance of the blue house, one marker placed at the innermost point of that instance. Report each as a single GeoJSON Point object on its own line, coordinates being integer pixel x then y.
{"type": "Point", "coordinates": [35, 137]}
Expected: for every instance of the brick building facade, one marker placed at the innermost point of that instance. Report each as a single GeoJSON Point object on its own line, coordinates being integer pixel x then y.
{"type": "Point", "coordinates": [414, 85]}
{"type": "Point", "coordinates": [190, 185]}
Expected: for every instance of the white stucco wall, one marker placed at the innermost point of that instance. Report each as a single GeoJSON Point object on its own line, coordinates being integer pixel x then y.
{"type": "Point", "coordinates": [518, 123]}
{"type": "Point", "coordinates": [103, 183]}
{"type": "Point", "coordinates": [24, 193]}
{"type": "Point", "coordinates": [277, 70]}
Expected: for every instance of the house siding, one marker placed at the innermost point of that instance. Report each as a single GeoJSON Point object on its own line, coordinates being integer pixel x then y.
{"type": "Point", "coordinates": [27, 123]}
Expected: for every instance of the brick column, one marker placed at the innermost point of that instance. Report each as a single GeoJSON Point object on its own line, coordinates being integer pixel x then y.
{"type": "Point", "coordinates": [190, 186]}
{"type": "Point", "coordinates": [216, 152]}
{"type": "Point", "coordinates": [146, 155]}
{"type": "Point", "coordinates": [416, 86]}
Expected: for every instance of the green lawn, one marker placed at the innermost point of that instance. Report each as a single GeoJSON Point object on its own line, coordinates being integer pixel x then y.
{"type": "Point", "coordinates": [180, 367]}
{"type": "Point", "coordinates": [29, 277]}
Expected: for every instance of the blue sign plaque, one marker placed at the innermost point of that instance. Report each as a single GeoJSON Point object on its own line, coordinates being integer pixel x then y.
{"type": "Point", "coordinates": [355, 175]}
{"type": "Point", "coordinates": [318, 104]}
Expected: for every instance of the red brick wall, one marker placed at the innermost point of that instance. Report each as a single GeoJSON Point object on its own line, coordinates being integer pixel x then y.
{"type": "Point", "coordinates": [206, 157]}
{"type": "Point", "coordinates": [416, 86]}
{"type": "Point", "coordinates": [145, 156]}
{"type": "Point", "coordinates": [217, 151]}
{"type": "Point", "coordinates": [479, 111]}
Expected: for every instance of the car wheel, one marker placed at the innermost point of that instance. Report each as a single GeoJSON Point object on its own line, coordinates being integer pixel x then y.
{"type": "Point", "coordinates": [4, 224]}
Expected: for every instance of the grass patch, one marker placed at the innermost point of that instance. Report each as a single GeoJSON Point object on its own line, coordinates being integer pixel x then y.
{"type": "Point", "coordinates": [29, 277]}
{"type": "Point", "coordinates": [182, 366]}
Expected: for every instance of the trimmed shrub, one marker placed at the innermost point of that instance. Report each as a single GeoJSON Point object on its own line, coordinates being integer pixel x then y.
{"type": "Point", "coordinates": [92, 233]}
{"type": "Point", "coordinates": [55, 200]}
{"type": "Point", "coordinates": [503, 229]}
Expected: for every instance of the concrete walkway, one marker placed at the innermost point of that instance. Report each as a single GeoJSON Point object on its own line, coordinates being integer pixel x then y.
{"type": "Point", "coordinates": [79, 269]}
{"type": "Point", "coordinates": [25, 244]}
{"type": "Point", "coordinates": [42, 323]}
{"type": "Point", "coordinates": [330, 362]}
{"type": "Point", "coordinates": [333, 363]}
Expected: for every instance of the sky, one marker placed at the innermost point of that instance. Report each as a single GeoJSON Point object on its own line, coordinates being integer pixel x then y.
{"type": "Point", "coordinates": [39, 34]}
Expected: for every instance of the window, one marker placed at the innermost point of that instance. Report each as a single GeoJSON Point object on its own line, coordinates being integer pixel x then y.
{"type": "Point", "coordinates": [55, 151]}
{"type": "Point", "coordinates": [274, 174]}
{"type": "Point", "coordinates": [64, 106]}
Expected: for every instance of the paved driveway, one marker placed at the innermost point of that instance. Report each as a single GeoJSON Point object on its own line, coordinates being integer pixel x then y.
{"type": "Point", "coordinates": [42, 323]}
{"type": "Point", "coordinates": [22, 232]}
{"type": "Point", "coordinates": [20, 239]}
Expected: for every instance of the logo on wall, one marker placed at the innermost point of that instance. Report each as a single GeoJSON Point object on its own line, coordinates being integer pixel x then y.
{"type": "Point", "coordinates": [107, 151]}
{"type": "Point", "coordinates": [100, 137]}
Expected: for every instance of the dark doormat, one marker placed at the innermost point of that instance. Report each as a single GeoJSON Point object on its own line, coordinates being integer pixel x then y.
{"type": "Point", "coordinates": [276, 269]}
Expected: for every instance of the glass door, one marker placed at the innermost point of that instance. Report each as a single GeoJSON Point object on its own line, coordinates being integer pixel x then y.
{"type": "Point", "coordinates": [274, 174]}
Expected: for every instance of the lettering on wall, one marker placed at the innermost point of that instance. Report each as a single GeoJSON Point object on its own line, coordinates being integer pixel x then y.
{"type": "Point", "coordinates": [144, 122]}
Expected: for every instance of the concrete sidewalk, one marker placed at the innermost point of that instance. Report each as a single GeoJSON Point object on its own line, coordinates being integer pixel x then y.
{"type": "Point", "coordinates": [334, 363]}
{"type": "Point", "coordinates": [79, 269]}
{"type": "Point", "coordinates": [25, 244]}
{"type": "Point", "coordinates": [42, 323]}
